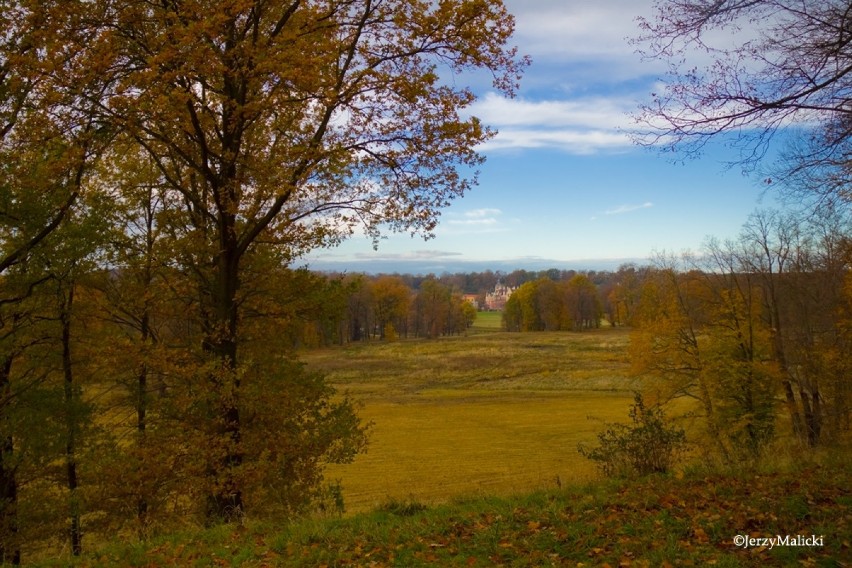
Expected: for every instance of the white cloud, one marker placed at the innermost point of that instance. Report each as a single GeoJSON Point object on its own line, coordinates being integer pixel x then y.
{"type": "Point", "coordinates": [572, 141]}
{"type": "Point", "coordinates": [599, 32]}
{"type": "Point", "coordinates": [621, 209]}
{"type": "Point", "coordinates": [473, 222]}
{"type": "Point", "coordinates": [580, 126]}
{"type": "Point", "coordinates": [586, 79]}
{"type": "Point", "coordinates": [484, 220]}
{"type": "Point", "coordinates": [484, 212]}
{"type": "Point", "coordinates": [593, 112]}
{"type": "Point", "coordinates": [577, 29]}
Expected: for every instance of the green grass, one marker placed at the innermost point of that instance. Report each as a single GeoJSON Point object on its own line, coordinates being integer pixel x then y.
{"type": "Point", "coordinates": [488, 321]}
{"type": "Point", "coordinates": [656, 521]}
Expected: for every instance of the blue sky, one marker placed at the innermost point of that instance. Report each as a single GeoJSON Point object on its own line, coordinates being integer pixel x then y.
{"type": "Point", "coordinates": [563, 185]}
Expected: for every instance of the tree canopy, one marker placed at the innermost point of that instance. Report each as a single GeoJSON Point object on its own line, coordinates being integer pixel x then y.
{"type": "Point", "coordinates": [214, 141]}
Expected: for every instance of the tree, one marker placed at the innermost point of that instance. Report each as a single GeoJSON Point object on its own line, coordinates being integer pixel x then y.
{"type": "Point", "coordinates": [799, 264]}
{"type": "Point", "coordinates": [521, 312]}
{"type": "Point", "coordinates": [360, 308]}
{"type": "Point", "coordinates": [130, 299]}
{"type": "Point", "coordinates": [49, 139]}
{"type": "Point", "coordinates": [699, 333]}
{"type": "Point", "coordinates": [666, 342]}
{"type": "Point", "coordinates": [756, 321]}
{"type": "Point", "coordinates": [739, 356]}
{"type": "Point", "coordinates": [623, 299]}
{"type": "Point", "coordinates": [545, 305]}
{"type": "Point", "coordinates": [583, 303]}
{"type": "Point", "coordinates": [392, 299]}
{"type": "Point", "coordinates": [286, 124]}
{"type": "Point", "coordinates": [431, 309]}
{"type": "Point", "coordinates": [789, 66]}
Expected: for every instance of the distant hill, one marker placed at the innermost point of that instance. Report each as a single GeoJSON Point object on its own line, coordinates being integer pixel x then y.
{"type": "Point", "coordinates": [390, 265]}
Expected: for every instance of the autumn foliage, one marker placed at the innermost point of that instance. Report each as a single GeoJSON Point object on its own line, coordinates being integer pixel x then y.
{"type": "Point", "coordinates": [547, 305]}
{"type": "Point", "coordinates": [161, 165]}
{"type": "Point", "coordinates": [647, 445]}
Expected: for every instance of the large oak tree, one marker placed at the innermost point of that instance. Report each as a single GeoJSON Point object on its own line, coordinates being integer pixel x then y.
{"type": "Point", "coordinates": [289, 124]}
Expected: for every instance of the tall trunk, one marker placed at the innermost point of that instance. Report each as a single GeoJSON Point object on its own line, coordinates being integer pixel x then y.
{"type": "Point", "coordinates": [71, 400]}
{"type": "Point", "coordinates": [10, 550]}
{"type": "Point", "coordinates": [225, 502]}
{"type": "Point", "coordinates": [813, 413]}
{"type": "Point", "coordinates": [793, 409]}
{"type": "Point", "coordinates": [781, 356]}
{"type": "Point", "coordinates": [816, 405]}
{"type": "Point", "coordinates": [141, 411]}
{"type": "Point", "coordinates": [145, 335]}
{"type": "Point", "coordinates": [712, 424]}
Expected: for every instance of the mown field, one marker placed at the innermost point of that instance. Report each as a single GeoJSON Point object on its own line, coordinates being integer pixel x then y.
{"type": "Point", "coordinates": [490, 413]}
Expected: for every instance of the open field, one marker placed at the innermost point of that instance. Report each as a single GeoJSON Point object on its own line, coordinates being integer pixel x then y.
{"type": "Point", "coordinates": [470, 437]}
{"type": "Point", "coordinates": [490, 413]}
{"type": "Point", "coordinates": [488, 321]}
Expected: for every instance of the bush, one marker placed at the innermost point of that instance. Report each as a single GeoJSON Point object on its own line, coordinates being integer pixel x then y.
{"type": "Point", "coordinates": [646, 446]}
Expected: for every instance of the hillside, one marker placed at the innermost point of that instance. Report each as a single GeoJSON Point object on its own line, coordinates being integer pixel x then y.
{"type": "Point", "coordinates": [658, 521]}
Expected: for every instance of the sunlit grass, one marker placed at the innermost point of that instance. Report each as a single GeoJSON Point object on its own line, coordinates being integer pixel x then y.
{"type": "Point", "coordinates": [473, 435]}
{"type": "Point", "coordinates": [487, 321]}
{"type": "Point", "coordinates": [496, 413]}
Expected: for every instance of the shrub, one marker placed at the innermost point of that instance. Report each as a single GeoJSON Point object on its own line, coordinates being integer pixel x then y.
{"type": "Point", "coordinates": [648, 445]}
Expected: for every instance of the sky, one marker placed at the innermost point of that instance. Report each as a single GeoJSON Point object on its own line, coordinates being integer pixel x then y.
{"type": "Point", "coordinates": [563, 185]}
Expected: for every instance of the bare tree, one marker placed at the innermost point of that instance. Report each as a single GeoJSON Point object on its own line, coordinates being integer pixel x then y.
{"type": "Point", "coordinates": [786, 63]}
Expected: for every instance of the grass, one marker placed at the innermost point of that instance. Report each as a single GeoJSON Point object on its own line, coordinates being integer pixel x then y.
{"type": "Point", "coordinates": [487, 321]}
{"type": "Point", "coordinates": [488, 414]}
{"type": "Point", "coordinates": [473, 462]}
{"type": "Point", "coordinates": [656, 521]}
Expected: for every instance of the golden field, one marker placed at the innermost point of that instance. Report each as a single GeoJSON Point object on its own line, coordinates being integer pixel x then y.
{"type": "Point", "coordinates": [487, 413]}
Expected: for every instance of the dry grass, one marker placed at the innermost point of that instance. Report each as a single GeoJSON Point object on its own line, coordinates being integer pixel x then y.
{"type": "Point", "coordinates": [491, 413]}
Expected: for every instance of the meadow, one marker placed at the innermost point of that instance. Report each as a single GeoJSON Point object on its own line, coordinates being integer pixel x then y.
{"type": "Point", "coordinates": [489, 413]}
{"type": "Point", "coordinates": [473, 462]}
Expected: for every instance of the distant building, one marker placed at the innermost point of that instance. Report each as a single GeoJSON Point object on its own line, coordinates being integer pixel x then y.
{"type": "Point", "coordinates": [497, 299]}
{"type": "Point", "coordinates": [472, 300]}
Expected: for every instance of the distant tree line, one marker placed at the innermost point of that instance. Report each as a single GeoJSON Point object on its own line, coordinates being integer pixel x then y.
{"type": "Point", "coordinates": [362, 308]}
{"type": "Point", "coordinates": [547, 305]}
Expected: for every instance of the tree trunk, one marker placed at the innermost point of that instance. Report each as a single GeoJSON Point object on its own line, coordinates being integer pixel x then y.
{"type": "Point", "coordinates": [712, 425]}
{"type": "Point", "coordinates": [71, 399]}
{"type": "Point", "coordinates": [812, 414]}
{"type": "Point", "coordinates": [793, 409]}
{"type": "Point", "coordinates": [225, 502]}
{"type": "Point", "coordinates": [10, 550]}
{"type": "Point", "coordinates": [816, 405]}
{"type": "Point", "coordinates": [141, 414]}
